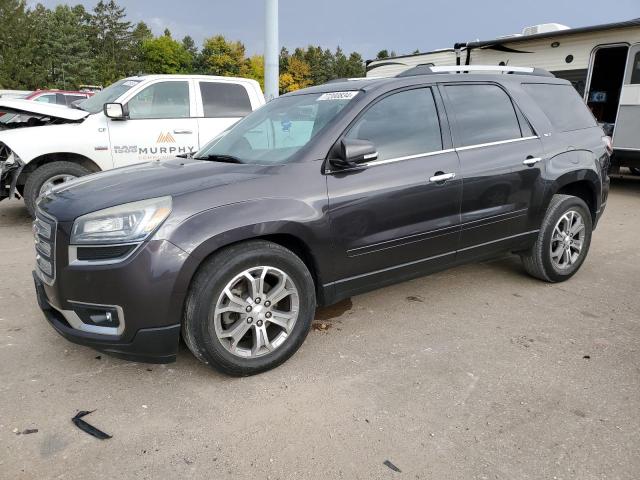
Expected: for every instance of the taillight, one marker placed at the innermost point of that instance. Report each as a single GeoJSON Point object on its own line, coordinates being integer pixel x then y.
{"type": "Point", "coordinates": [608, 144]}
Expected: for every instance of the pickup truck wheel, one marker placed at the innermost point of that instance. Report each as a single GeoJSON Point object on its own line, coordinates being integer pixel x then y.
{"type": "Point", "coordinates": [48, 176]}
{"type": "Point", "coordinates": [249, 308]}
{"type": "Point", "coordinates": [563, 241]}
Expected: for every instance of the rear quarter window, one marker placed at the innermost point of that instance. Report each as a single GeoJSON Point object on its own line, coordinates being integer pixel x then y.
{"type": "Point", "coordinates": [562, 105]}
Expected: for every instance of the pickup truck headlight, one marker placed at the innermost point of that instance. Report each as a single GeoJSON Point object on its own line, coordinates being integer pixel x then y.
{"type": "Point", "coordinates": [127, 223]}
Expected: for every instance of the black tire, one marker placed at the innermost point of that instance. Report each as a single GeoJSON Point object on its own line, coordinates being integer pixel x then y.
{"type": "Point", "coordinates": [537, 260]}
{"type": "Point", "coordinates": [42, 174]}
{"type": "Point", "coordinates": [211, 279]}
{"type": "Point", "coordinates": [634, 171]}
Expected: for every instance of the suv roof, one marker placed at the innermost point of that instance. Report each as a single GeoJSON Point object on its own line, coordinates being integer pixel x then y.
{"type": "Point", "coordinates": [425, 74]}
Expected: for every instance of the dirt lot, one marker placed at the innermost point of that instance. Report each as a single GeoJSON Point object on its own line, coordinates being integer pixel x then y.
{"type": "Point", "coordinates": [475, 373]}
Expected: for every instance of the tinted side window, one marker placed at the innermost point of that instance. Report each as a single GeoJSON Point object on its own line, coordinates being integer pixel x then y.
{"type": "Point", "coordinates": [69, 99]}
{"type": "Point", "coordinates": [562, 105]}
{"type": "Point", "coordinates": [161, 100]}
{"type": "Point", "coordinates": [483, 114]}
{"type": "Point", "coordinates": [401, 124]}
{"type": "Point", "coordinates": [224, 99]}
{"type": "Point", "coordinates": [635, 72]}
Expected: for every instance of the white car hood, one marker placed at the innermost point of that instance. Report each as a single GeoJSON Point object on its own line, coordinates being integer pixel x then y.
{"type": "Point", "coordinates": [39, 108]}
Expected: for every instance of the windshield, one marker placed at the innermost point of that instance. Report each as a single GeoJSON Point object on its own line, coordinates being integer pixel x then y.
{"type": "Point", "coordinates": [110, 94]}
{"type": "Point", "coordinates": [275, 132]}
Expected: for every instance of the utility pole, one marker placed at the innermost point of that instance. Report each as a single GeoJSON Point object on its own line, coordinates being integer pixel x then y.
{"type": "Point", "coordinates": [271, 50]}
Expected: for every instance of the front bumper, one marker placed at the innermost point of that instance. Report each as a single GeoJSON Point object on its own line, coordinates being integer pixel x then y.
{"type": "Point", "coordinates": [145, 292]}
{"type": "Point", "coordinates": [149, 345]}
{"type": "Point", "coordinates": [10, 168]}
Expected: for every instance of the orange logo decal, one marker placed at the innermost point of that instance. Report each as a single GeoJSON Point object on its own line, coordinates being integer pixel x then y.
{"type": "Point", "coordinates": [166, 138]}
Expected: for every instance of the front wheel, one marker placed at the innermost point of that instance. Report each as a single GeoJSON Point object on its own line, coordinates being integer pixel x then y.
{"type": "Point", "coordinates": [249, 308]}
{"type": "Point", "coordinates": [46, 177]}
{"type": "Point", "coordinates": [563, 241]}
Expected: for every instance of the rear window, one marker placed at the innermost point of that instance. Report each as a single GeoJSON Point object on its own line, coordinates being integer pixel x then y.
{"type": "Point", "coordinates": [562, 105]}
{"type": "Point", "coordinates": [224, 99]}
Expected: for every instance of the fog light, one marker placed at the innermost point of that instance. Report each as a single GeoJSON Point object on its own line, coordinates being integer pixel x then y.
{"type": "Point", "coordinates": [100, 316]}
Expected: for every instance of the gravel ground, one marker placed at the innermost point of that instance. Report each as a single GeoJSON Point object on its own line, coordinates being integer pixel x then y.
{"type": "Point", "coordinates": [476, 372]}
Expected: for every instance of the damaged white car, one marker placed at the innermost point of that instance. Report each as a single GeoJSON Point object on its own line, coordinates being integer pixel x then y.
{"type": "Point", "coordinates": [136, 119]}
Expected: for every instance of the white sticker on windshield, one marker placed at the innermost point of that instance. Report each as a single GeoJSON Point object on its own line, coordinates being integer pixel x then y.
{"type": "Point", "coordinates": [337, 96]}
{"type": "Point", "coordinates": [130, 83]}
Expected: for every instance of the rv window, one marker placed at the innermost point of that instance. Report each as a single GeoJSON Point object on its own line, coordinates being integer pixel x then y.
{"type": "Point", "coordinates": [562, 105]}
{"type": "Point", "coordinates": [483, 114]}
{"type": "Point", "coordinates": [635, 73]}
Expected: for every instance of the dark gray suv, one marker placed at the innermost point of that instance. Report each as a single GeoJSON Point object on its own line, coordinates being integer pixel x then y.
{"type": "Point", "coordinates": [321, 194]}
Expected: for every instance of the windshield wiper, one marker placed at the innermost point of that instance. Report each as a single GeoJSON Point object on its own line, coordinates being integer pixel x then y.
{"type": "Point", "coordinates": [215, 157]}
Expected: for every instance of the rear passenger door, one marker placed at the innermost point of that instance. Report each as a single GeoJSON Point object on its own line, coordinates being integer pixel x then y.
{"type": "Point", "coordinates": [400, 215]}
{"type": "Point", "coordinates": [220, 104]}
{"type": "Point", "coordinates": [500, 160]}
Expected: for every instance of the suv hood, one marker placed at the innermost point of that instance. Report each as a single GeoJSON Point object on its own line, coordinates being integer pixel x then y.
{"type": "Point", "coordinates": [61, 112]}
{"type": "Point", "coordinates": [143, 181]}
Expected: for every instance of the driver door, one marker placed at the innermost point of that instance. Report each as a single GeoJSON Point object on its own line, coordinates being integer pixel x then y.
{"type": "Point", "coordinates": [160, 124]}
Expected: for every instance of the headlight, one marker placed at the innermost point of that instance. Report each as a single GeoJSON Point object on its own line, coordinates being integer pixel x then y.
{"type": "Point", "coordinates": [128, 223]}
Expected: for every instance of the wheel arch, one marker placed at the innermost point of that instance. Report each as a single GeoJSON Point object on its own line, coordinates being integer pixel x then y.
{"type": "Point", "coordinates": [41, 160]}
{"type": "Point", "coordinates": [584, 184]}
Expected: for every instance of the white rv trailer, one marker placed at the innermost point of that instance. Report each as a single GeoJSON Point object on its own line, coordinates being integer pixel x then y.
{"type": "Point", "coordinates": [601, 61]}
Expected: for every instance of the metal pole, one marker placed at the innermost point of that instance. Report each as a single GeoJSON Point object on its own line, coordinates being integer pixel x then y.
{"type": "Point", "coordinates": [271, 50]}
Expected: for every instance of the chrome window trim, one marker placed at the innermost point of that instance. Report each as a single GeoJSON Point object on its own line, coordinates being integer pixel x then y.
{"type": "Point", "coordinates": [375, 163]}
{"type": "Point", "coordinates": [73, 254]}
{"type": "Point", "coordinates": [406, 157]}
{"type": "Point", "coordinates": [491, 144]}
{"type": "Point", "coordinates": [77, 324]}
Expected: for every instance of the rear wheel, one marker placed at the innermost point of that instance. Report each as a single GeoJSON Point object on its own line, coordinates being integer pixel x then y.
{"type": "Point", "coordinates": [249, 308]}
{"type": "Point", "coordinates": [563, 241]}
{"type": "Point", "coordinates": [48, 176]}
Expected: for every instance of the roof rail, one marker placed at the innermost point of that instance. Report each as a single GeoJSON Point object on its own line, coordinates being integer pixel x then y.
{"type": "Point", "coordinates": [425, 70]}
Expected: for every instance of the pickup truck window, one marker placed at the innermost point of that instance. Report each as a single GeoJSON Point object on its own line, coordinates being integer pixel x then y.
{"type": "Point", "coordinates": [161, 100]}
{"type": "Point", "coordinates": [401, 124]}
{"type": "Point", "coordinates": [276, 131]}
{"type": "Point", "coordinates": [224, 100]}
{"type": "Point", "coordinates": [110, 94]}
{"type": "Point", "coordinates": [483, 114]}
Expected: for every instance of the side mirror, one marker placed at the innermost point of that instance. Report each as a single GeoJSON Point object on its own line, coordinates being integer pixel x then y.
{"type": "Point", "coordinates": [353, 153]}
{"type": "Point", "coordinates": [115, 111]}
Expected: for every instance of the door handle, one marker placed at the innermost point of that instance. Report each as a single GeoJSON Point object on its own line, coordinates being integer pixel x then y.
{"type": "Point", "coordinates": [183, 132]}
{"type": "Point", "coordinates": [531, 161]}
{"type": "Point", "coordinates": [442, 177]}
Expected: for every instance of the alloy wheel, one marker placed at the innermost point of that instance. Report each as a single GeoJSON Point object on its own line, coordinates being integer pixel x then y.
{"type": "Point", "coordinates": [567, 240]}
{"type": "Point", "coordinates": [256, 312]}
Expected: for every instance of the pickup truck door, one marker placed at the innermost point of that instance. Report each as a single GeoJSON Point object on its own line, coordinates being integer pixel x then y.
{"type": "Point", "coordinates": [220, 103]}
{"type": "Point", "coordinates": [160, 124]}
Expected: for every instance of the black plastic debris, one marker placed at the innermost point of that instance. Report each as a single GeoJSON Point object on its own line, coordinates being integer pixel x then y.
{"type": "Point", "coordinates": [392, 466]}
{"type": "Point", "coordinates": [85, 427]}
{"type": "Point", "coordinates": [27, 431]}
{"type": "Point", "coordinates": [587, 357]}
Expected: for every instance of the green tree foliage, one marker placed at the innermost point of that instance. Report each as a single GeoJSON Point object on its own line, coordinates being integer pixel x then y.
{"type": "Point", "coordinates": [165, 55]}
{"type": "Point", "coordinates": [68, 46]}
{"type": "Point", "coordinates": [221, 57]}
{"type": "Point", "coordinates": [112, 42]}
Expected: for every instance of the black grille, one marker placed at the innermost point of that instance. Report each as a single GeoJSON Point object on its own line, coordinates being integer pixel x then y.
{"type": "Point", "coordinates": [44, 232]}
{"type": "Point", "coordinates": [104, 253]}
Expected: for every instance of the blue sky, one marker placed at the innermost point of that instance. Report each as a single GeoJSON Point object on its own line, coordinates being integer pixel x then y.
{"type": "Point", "coordinates": [368, 26]}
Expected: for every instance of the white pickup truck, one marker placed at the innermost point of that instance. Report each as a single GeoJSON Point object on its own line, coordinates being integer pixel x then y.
{"type": "Point", "coordinates": [134, 120]}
